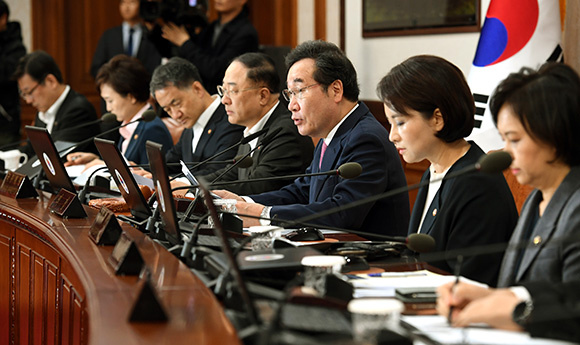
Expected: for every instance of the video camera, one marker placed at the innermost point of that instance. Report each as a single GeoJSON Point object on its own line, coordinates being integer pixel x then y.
{"type": "Point", "coordinates": [190, 13]}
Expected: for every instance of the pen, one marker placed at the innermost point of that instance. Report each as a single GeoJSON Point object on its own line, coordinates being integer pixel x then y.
{"type": "Point", "coordinates": [397, 274]}
{"type": "Point", "coordinates": [457, 272]}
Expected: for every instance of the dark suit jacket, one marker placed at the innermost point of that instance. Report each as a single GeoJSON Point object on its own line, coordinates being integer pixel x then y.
{"type": "Point", "coordinates": [556, 312]}
{"type": "Point", "coordinates": [469, 210]}
{"type": "Point", "coordinates": [154, 131]}
{"type": "Point", "coordinates": [553, 258]}
{"type": "Point", "coordinates": [218, 135]}
{"type": "Point", "coordinates": [287, 154]}
{"type": "Point", "coordinates": [74, 111]}
{"type": "Point", "coordinates": [362, 139]}
{"type": "Point", "coordinates": [236, 38]}
{"type": "Point", "coordinates": [111, 44]}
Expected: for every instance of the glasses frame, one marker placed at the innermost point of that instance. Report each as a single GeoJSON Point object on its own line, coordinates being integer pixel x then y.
{"type": "Point", "coordinates": [223, 92]}
{"type": "Point", "coordinates": [289, 94]}
{"type": "Point", "coordinates": [25, 95]}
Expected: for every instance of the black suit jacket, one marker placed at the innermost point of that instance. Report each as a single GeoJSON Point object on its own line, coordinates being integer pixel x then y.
{"type": "Point", "coordinates": [236, 38]}
{"type": "Point", "coordinates": [111, 44]}
{"type": "Point", "coordinates": [556, 312]}
{"type": "Point", "coordinates": [470, 210]}
{"type": "Point", "coordinates": [218, 135]}
{"type": "Point", "coordinates": [286, 154]}
{"type": "Point", "coordinates": [74, 111]}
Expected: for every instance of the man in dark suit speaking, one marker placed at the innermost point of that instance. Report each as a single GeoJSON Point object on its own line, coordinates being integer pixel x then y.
{"type": "Point", "coordinates": [59, 107]}
{"type": "Point", "coordinates": [323, 95]}
{"type": "Point", "coordinates": [250, 93]}
{"type": "Point", "coordinates": [178, 89]}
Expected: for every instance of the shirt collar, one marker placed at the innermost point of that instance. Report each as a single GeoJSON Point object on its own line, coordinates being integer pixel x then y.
{"type": "Point", "coordinates": [260, 124]}
{"type": "Point", "coordinates": [332, 132]}
{"type": "Point", "coordinates": [204, 118]}
{"type": "Point", "coordinates": [51, 112]}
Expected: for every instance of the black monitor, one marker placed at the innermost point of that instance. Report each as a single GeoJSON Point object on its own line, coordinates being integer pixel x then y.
{"type": "Point", "coordinates": [49, 158]}
{"type": "Point", "coordinates": [165, 202]}
{"type": "Point", "coordinates": [123, 178]}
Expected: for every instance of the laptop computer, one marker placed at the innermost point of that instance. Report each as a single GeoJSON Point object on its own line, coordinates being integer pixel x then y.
{"type": "Point", "coordinates": [49, 158]}
{"type": "Point", "coordinates": [171, 227]}
{"type": "Point", "coordinates": [124, 180]}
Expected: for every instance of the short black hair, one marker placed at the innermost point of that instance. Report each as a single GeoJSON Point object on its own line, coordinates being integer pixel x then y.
{"type": "Point", "coordinates": [547, 103]}
{"type": "Point", "coordinates": [126, 75]}
{"type": "Point", "coordinates": [4, 9]}
{"type": "Point", "coordinates": [261, 69]}
{"type": "Point", "coordinates": [424, 83]}
{"type": "Point", "coordinates": [176, 72]}
{"type": "Point", "coordinates": [331, 64]}
{"type": "Point", "coordinates": [37, 65]}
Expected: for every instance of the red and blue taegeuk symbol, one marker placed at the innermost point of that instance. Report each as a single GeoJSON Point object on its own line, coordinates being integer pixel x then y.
{"type": "Point", "coordinates": [508, 26]}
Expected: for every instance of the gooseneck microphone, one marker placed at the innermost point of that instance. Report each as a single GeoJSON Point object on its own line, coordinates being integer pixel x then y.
{"type": "Point", "coordinates": [491, 163]}
{"type": "Point", "coordinates": [346, 171]}
{"type": "Point", "coordinates": [243, 141]}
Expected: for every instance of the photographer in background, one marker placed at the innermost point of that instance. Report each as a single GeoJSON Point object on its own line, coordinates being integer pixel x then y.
{"type": "Point", "coordinates": [231, 35]}
{"type": "Point", "coordinates": [11, 50]}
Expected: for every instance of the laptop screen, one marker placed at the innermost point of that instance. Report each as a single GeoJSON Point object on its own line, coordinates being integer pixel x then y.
{"type": "Point", "coordinates": [123, 178]}
{"type": "Point", "coordinates": [165, 202]}
{"type": "Point", "coordinates": [49, 158]}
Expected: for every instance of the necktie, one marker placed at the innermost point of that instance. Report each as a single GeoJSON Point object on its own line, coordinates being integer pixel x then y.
{"type": "Point", "coordinates": [322, 150]}
{"type": "Point", "coordinates": [130, 44]}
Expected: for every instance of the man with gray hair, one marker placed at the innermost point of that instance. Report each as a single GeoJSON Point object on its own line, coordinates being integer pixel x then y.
{"type": "Point", "coordinates": [177, 87]}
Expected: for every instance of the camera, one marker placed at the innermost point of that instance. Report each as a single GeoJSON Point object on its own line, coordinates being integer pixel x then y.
{"type": "Point", "coordinates": [190, 13]}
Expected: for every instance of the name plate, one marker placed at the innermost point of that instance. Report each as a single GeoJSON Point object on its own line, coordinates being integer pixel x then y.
{"type": "Point", "coordinates": [126, 258]}
{"type": "Point", "coordinates": [16, 186]}
{"type": "Point", "coordinates": [105, 230]}
{"type": "Point", "coordinates": [67, 205]}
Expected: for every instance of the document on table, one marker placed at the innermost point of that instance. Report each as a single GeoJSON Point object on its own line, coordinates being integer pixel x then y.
{"type": "Point", "coordinates": [385, 285]}
{"type": "Point", "coordinates": [437, 329]}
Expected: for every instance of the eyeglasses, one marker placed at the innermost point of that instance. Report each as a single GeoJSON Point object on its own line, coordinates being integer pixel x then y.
{"type": "Point", "coordinates": [25, 95]}
{"type": "Point", "coordinates": [222, 91]}
{"type": "Point", "coordinates": [299, 93]}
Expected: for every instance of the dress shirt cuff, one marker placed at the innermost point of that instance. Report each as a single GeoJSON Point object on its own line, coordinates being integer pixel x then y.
{"type": "Point", "coordinates": [248, 200]}
{"type": "Point", "coordinates": [521, 293]}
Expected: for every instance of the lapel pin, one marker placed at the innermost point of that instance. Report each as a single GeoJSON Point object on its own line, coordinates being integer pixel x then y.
{"type": "Point", "coordinates": [135, 136]}
{"type": "Point", "coordinates": [434, 212]}
{"type": "Point", "coordinates": [537, 240]}
{"type": "Point", "coordinates": [209, 131]}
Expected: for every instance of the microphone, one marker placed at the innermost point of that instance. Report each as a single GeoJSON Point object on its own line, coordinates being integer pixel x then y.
{"type": "Point", "coordinates": [241, 142]}
{"type": "Point", "coordinates": [107, 118]}
{"type": "Point", "coordinates": [347, 171]}
{"type": "Point", "coordinates": [148, 116]}
{"type": "Point", "coordinates": [491, 163]}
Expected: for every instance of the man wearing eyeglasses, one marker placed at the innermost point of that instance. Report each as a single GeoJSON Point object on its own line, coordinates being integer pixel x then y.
{"type": "Point", "coordinates": [59, 107]}
{"type": "Point", "coordinates": [178, 89]}
{"type": "Point", "coordinates": [250, 93]}
{"type": "Point", "coordinates": [323, 94]}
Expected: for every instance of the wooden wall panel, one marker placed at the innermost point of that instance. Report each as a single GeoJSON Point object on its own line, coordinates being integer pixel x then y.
{"type": "Point", "coordinates": [6, 306]}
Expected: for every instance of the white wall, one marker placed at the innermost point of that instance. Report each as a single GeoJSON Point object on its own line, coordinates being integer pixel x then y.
{"type": "Point", "coordinates": [20, 12]}
{"type": "Point", "coordinates": [374, 57]}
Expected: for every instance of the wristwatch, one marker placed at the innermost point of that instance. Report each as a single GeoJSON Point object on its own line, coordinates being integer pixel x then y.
{"type": "Point", "coordinates": [522, 312]}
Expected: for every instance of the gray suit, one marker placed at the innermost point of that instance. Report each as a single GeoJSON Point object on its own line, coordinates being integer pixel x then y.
{"type": "Point", "coordinates": [554, 258]}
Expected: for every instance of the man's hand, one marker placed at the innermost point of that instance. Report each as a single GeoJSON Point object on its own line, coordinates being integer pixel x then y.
{"type": "Point", "coordinates": [78, 158]}
{"type": "Point", "coordinates": [175, 34]}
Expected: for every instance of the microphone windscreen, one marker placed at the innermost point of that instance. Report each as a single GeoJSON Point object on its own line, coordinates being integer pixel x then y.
{"type": "Point", "coordinates": [251, 137]}
{"type": "Point", "coordinates": [494, 162]}
{"type": "Point", "coordinates": [148, 115]}
{"type": "Point", "coordinates": [244, 162]}
{"type": "Point", "coordinates": [420, 243]}
{"type": "Point", "coordinates": [271, 135]}
{"type": "Point", "coordinates": [349, 170]}
{"type": "Point", "coordinates": [109, 118]}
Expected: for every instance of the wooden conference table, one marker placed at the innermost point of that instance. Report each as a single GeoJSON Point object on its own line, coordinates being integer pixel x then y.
{"type": "Point", "coordinates": [57, 287]}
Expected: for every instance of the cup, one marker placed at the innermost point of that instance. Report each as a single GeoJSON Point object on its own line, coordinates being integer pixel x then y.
{"type": "Point", "coordinates": [226, 205]}
{"type": "Point", "coordinates": [371, 315]}
{"type": "Point", "coordinates": [316, 268]}
{"type": "Point", "coordinates": [264, 235]}
{"type": "Point", "coordinates": [12, 159]}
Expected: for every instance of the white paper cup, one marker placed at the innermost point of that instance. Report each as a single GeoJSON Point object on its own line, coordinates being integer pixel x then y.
{"type": "Point", "coordinates": [371, 315]}
{"type": "Point", "coordinates": [317, 267]}
{"type": "Point", "coordinates": [264, 235]}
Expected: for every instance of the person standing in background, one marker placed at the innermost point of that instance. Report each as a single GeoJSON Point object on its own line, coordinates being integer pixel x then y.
{"type": "Point", "coordinates": [11, 50]}
{"type": "Point", "coordinates": [231, 35]}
